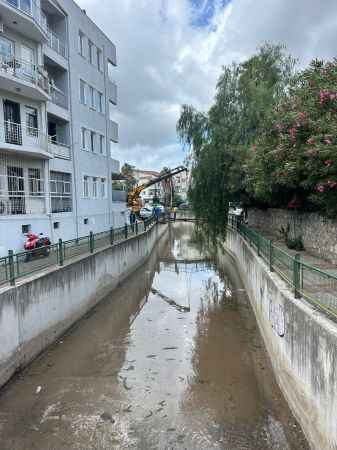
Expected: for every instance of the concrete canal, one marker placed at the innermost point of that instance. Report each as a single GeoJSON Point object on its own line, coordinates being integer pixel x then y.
{"type": "Point", "coordinates": [172, 359]}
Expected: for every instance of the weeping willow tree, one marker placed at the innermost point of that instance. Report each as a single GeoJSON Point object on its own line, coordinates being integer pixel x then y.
{"type": "Point", "coordinates": [221, 139]}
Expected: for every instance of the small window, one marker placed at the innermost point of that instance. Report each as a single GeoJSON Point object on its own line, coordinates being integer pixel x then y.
{"type": "Point", "coordinates": [92, 97]}
{"type": "Point", "coordinates": [26, 228]}
{"type": "Point", "coordinates": [103, 188]}
{"type": "Point", "coordinates": [94, 187]}
{"type": "Point", "coordinates": [91, 51]}
{"type": "Point", "coordinates": [85, 186]}
{"type": "Point", "coordinates": [99, 59]}
{"type": "Point", "coordinates": [34, 182]}
{"type": "Point", "coordinates": [111, 71]}
{"type": "Point", "coordinates": [82, 93]}
{"type": "Point", "coordinates": [99, 97]}
{"type": "Point", "coordinates": [56, 225]}
{"type": "Point", "coordinates": [81, 43]}
{"type": "Point", "coordinates": [101, 144]}
{"type": "Point", "coordinates": [83, 138]}
{"type": "Point", "coordinates": [86, 221]}
{"type": "Point", "coordinates": [31, 121]}
{"type": "Point", "coordinates": [92, 140]}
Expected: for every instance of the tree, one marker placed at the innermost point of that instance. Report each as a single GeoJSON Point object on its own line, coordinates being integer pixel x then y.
{"type": "Point", "coordinates": [127, 172]}
{"type": "Point", "coordinates": [246, 95]}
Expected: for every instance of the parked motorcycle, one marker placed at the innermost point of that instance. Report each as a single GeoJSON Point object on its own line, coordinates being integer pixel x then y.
{"type": "Point", "coordinates": [36, 245]}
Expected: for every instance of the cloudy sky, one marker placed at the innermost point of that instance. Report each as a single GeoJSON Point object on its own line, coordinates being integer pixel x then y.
{"type": "Point", "coordinates": [171, 52]}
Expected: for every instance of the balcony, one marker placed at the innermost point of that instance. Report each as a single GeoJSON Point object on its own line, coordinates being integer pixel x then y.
{"type": "Point", "coordinates": [25, 17]}
{"type": "Point", "coordinates": [24, 140]}
{"type": "Point", "coordinates": [59, 149]}
{"type": "Point", "coordinates": [57, 44]}
{"type": "Point", "coordinates": [59, 98]}
{"type": "Point", "coordinates": [24, 77]}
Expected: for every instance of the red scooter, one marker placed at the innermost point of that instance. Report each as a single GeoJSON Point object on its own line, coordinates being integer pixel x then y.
{"type": "Point", "coordinates": [36, 245]}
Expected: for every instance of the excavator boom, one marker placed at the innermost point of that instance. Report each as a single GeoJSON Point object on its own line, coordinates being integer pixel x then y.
{"type": "Point", "coordinates": [134, 194]}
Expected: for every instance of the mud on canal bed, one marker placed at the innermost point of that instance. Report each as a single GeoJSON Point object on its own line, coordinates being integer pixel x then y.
{"type": "Point", "coordinates": [172, 359]}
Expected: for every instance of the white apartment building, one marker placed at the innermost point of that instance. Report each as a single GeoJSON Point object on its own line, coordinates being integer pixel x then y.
{"type": "Point", "coordinates": [181, 184]}
{"type": "Point", "coordinates": [57, 123]}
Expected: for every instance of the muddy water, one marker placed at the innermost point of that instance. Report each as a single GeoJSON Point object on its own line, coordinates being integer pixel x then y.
{"type": "Point", "coordinates": [171, 360]}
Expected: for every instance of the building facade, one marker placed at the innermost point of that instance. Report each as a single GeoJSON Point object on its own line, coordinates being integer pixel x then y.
{"type": "Point", "coordinates": [181, 184]}
{"type": "Point", "coordinates": [57, 123]}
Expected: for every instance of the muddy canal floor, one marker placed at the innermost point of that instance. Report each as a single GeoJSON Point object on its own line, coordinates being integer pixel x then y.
{"type": "Point", "coordinates": [170, 360]}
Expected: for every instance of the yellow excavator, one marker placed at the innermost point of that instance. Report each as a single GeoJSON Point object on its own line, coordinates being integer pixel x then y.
{"type": "Point", "coordinates": [134, 201]}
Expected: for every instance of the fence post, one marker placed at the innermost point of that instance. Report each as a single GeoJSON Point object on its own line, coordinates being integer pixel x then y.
{"type": "Point", "coordinates": [126, 231]}
{"type": "Point", "coordinates": [91, 242]}
{"type": "Point", "coordinates": [11, 267]}
{"type": "Point", "coordinates": [271, 256]}
{"type": "Point", "coordinates": [144, 224]}
{"type": "Point", "coordinates": [258, 245]}
{"type": "Point", "coordinates": [136, 227]}
{"type": "Point", "coordinates": [297, 276]}
{"type": "Point", "coordinates": [61, 254]}
{"type": "Point", "coordinates": [111, 236]}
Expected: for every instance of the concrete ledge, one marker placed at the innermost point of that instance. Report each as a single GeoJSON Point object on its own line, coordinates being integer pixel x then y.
{"type": "Point", "coordinates": [301, 342]}
{"type": "Point", "coordinates": [38, 310]}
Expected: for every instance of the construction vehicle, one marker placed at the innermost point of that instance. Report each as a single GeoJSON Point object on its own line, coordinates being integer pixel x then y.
{"type": "Point", "coordinates": [134, 200]}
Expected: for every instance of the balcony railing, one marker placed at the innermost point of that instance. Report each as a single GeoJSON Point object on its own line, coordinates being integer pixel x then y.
{"type": "Point", "coordinates": [30, 8]}
{"type": "Point", "coordinates": [59, 98]}
{"type": "Point", "coordinates": [58, 149]}
{"type": "Point", "coordinates": [23, 70]}
{"type": "Point", "coordinates": [18, 134]}
{"type": "Point", "coordinates": [56, 43]}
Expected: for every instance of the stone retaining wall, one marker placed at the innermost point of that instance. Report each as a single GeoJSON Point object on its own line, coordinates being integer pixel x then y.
{"type": "Point", "coordinates": [319, 234]}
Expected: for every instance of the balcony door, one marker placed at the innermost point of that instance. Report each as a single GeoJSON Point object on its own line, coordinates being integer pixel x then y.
{"type": "Point", "coordinates": [27, 62]}
{"type": "Point", "coordinates": [13, 131]}
{"type": "Point", "coordinates": [6, 51]}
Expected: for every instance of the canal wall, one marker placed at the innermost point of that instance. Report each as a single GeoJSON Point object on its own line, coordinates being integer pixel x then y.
{"type": "Point", "coordinates": [301, 342]}
{"type": "Point", "coordinates": [38, 310]}
{"type": "Point", "coordinates": [319, 234]}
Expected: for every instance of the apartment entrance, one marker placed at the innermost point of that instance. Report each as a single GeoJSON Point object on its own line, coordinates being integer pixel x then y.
{"type": "Point", "coordinates": [13, 131]}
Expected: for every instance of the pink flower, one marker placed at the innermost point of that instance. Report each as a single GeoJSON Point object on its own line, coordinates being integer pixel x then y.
{"type": "Point", "coordinates": [293, 133]}
{"type": "Point", "coordinates": [332, 184]}
{"type": "Point", "coordinates": [311, 141]}
{"type": "Point", "coordinates": [332, 96]}
{"type": "Point", "coordinates": [328, 141]}
{"type": "Point", "coordinates": [254, 147]}
{"type": "Point", "coordinates": [328, 162]}
{"type": "Point", "coordinates": [320, 188]}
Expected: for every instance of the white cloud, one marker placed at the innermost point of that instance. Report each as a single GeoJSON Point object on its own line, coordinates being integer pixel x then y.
{"type": "Point", "coordinates": [163, 61]}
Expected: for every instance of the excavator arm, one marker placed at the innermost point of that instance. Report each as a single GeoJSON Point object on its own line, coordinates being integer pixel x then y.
{"type": "Point", "coordinates": [134, 194]}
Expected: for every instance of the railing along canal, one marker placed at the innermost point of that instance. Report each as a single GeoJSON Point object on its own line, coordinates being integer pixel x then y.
{"type": "Point", "coordinates": [17, 265]}
{"type": "Point", "coordinates": [317, 286]}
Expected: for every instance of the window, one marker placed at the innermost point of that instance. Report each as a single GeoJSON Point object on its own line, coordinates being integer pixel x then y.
{"type": "Point", "coordinates": [82, 93]}
{"type": "Point", "coordinates": [103, 189]}
{"type": "Point", "coordinates": [6, 48]}
{"type": "Point", "coordinates": [94, 187]}
{"type": "Point", "coordinates": [26, 228]}
{"type": "Point", "coordinates": [81, 43]}
{"type": "Point", "coordinates": [91, 51]}
{"type": "Point", "coordinates": [99, 59]}
{"type": "Point", "coordinates": [111, 110]}
{"type": "Point", "coordinates": [31, 121]}
{"type": "Point", "coordinates": [83, 138]}
{"type": "Point", "coordinates": [99, 100]}
{"type": "Point", "coordinates": [85, 186]}
{"type": "Point", "coordinates": [34, 182]}
{"type": "Point", "coordinates": [101, 144]}
{"type": "Point", "coordinates": [92, 97]}
{"type": "Point", "coordinates": [56, 225]}
{"type": "Point", "coordinates": [86, 221]}
{"type": "Point", "coordinates": [110, 71]}
{"type": "Point", "coordinates": [92, 140]}
{"type": "Point", "coordinates": [60, 192]}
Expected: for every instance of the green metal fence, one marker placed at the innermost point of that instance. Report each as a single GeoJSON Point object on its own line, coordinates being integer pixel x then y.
{"type": "Point", "coordinates": [315, 285]}
{"type": "Point", "coordinates": [17, 265]}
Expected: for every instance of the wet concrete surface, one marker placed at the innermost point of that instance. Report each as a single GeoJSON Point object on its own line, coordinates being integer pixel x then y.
{"type": "Point", "coordinates": [172, 359]}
